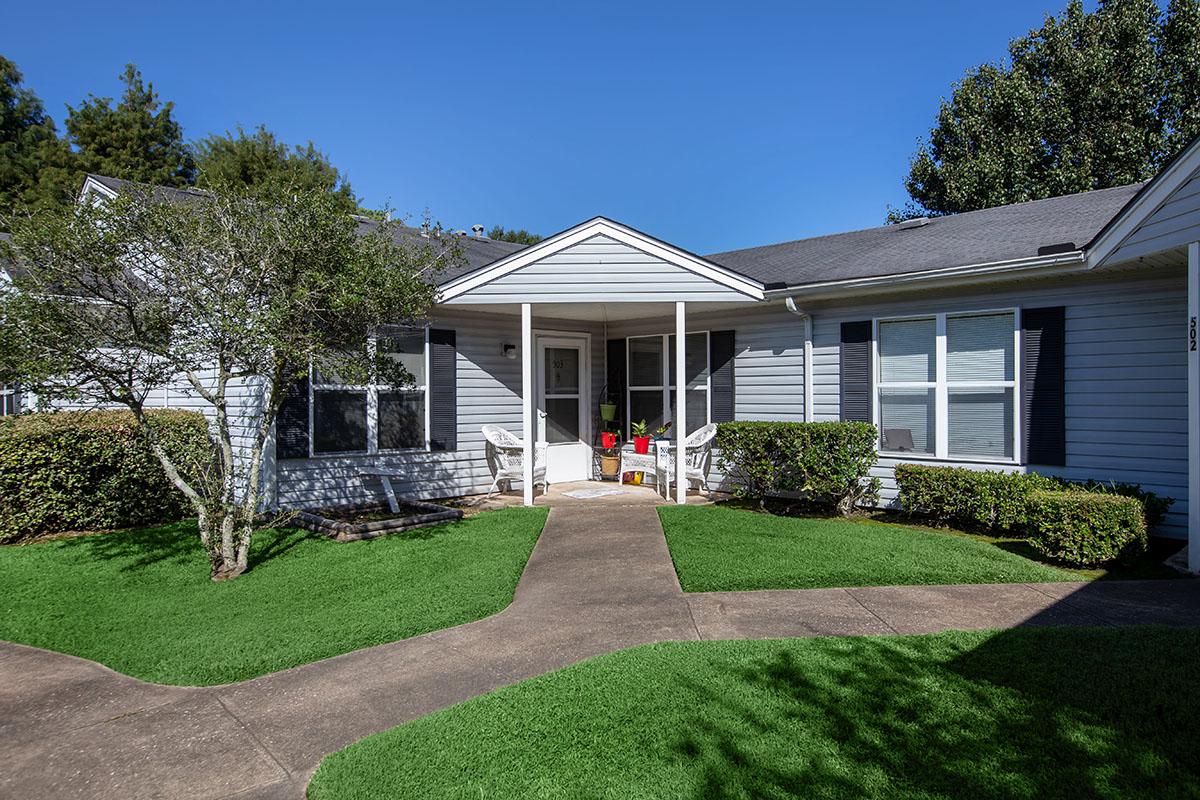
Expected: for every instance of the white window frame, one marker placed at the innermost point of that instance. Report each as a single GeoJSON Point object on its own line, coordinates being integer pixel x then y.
{"type": "Point", "coordinates": [8, 394]}
{"type": "Point", "coordinates": [372, 389]}
{"type": "Point", "coordinates": [942, 387]}
{"type": "Point", "coordinates": [665, 386]}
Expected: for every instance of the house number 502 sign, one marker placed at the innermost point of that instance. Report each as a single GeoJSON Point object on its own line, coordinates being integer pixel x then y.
{"type": "Point", "coordinates": [1192, 335]}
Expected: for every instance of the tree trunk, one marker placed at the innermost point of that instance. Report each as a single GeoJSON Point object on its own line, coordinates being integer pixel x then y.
{"type": "Point", "coordinates": [227, 552]}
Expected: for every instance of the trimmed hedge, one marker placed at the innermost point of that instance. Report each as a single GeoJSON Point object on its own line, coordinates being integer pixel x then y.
{"type": "Point", "coordinates": [1080, 524]}
{"type": "Point", "coordinates": [967, 498]}
{"type": "Point", "coordinates": [93, 470]}
{"type": "Point", "coordinates": [828, 464]}
{"type": "Point", "coordinates": [1086, 529]}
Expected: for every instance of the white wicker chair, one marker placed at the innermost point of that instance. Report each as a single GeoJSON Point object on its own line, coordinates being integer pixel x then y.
{"type": "Point", "coordinates": [506, 459]}
{"type": "Point", "coordinates": [698, 452]}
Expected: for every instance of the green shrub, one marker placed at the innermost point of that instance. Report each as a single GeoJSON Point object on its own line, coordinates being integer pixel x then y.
{"type": "Point", "coordinates": [1086, 529]}
{"type": "Point", "coordinates": [828, 464]}
{"type": "Point", "coordinates": [93, 470]}
{"type": "Point", "coordinates": [997, 502]}
{"type": "Point", "coordinates": [971, 499]}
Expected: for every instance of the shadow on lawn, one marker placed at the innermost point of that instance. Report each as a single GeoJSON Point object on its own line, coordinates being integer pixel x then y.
{"type": "Point", "coordinates": [1027, 713]}
{"type": "Point", "coordinates": [177, 543]}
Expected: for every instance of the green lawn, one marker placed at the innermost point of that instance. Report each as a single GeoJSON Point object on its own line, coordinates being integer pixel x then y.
{"type": "Point", "coordinates": [1030, 713]}
{"type": "Point", "coordinates": [722, 549]}
{"type": "Point", "coordinates": [141, 601]}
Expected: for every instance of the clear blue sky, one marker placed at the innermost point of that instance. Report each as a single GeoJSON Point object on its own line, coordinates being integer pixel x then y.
{"type": "Point", "coordinates": [713, 126]}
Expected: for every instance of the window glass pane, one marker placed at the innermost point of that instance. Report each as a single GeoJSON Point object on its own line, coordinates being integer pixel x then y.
{"type": "Point", "coordinates": [696, 410]}
{"type": "Point", "coordinates": [645, 361]}
{"type": "Point", "coordinates": [981, 423]}
{"type": "Point", "coordinates": [562, 420]}
{"type": "Point", "coordinates": [695, 365]}
{"type": "Point", "coordinates": [646, 405]}
{"type": "Point", "coordinates": [906, 350]}
{"type": "Point", "coordinates": [339, 421]}
{"type": "Point", "coordinates": [906, 420]}
{"type": "Point", "coordinates": [562, 370]}
{"type": "Point", "coordinates": [401, 420]}
{"type": "Point", "coordinates": [979, 348]}
{"type": "Point", "coordinates": [406, 349]}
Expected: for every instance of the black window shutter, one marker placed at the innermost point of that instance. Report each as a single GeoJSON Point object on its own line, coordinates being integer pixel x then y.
{"type": "Point", "coordinates": [856, 371]}
{"type": "Point", "coordinates": [1043, 389]}
{"type": "Point", "coordinates": [720, 359]}
{"type": "Point", "coordinates": [614, 362]}
{"type": "Point", "coordinates": [443, 390]}
{"type": "Point", "coordinates": [291, 423]}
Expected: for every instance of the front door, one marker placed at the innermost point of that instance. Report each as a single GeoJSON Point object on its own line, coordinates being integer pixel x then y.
{"type": "Point", "coordinates": [562, 403]}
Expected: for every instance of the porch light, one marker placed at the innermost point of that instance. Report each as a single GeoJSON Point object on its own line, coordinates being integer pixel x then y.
{"type": "Point", "coordinates": [509, 351]}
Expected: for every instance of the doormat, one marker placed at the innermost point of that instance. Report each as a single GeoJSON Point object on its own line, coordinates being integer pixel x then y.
{"type": "Point", "coordinates": [588, 494]}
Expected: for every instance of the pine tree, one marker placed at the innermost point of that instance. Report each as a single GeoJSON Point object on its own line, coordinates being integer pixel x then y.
{"type": "Point", "coordinates": [36, 169]}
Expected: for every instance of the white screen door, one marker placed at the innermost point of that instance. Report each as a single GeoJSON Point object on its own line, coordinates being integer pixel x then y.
{"type": "Point", "coordinates": [562, 406]}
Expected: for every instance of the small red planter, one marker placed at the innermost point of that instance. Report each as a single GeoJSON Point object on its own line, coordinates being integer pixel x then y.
{"type": "Point", "coordinates": [608, 439]}
{"type": "Point", "coordinates": [641, 445]}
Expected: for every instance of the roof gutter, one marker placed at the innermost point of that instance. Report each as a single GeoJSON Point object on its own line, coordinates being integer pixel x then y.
{"type": "Point", "coordinates": [1071, 261]}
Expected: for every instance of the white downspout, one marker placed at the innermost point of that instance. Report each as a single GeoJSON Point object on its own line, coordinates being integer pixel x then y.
{"type": "Point", "coordinates": [808, 356]}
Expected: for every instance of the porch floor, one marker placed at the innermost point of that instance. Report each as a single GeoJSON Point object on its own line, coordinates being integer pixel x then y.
{"type": "Point", "coordinates": [607, 493]}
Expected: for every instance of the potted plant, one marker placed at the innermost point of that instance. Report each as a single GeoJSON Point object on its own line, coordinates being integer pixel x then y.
{"type": "Point", "coordinates": [608, 407]}
{"type": "Point", "coordinates": [641, 437]}
{"type": "Point", "coordinates": [610, 454]}
{"type": "Point", "coordinates": [661, 433]}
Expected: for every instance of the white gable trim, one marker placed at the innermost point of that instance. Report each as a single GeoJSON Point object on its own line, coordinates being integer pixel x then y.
{"type": "Point", "coordinates": [1153, 195]}
{"type": "Point", "coordinates": [93, 186]}
{"type": "Point", "coordinates": [599, 226]}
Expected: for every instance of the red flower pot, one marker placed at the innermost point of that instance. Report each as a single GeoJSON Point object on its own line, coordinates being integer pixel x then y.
{"type": "Point", "coordinates": [608, 439]}
{"type": "Point", "coordinates": [641, 445]}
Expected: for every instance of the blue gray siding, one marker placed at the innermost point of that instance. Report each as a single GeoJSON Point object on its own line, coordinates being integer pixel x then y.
{"type": "Point", "coordinates": [489, 393]}
{"type": "Point", "coordinates": [599, 269]}
{"type": "Point", "coordinates": [1173, 224]}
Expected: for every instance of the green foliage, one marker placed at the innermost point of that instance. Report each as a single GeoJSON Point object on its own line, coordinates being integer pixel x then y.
{"type": "Point", "coordinates": [639, 428]}
{"type": "Point", "coordinates": [998, 502]}
{"type": "Point", "coordinates": [1088, 101]}
{"type": "Point", "coordinates": [827, 463]}
{"type": "Point", "coordinates": [36, 166]}
{"type": "Point", "coordinates": [67, 471]}
{"type": "Point", "coordinates": [979, 500]}
{"type": "Point", "coordinates": [137, 139]}
{"type": "Point", "coordinates": [1086, 529]}
{"type": "Point", "coordinates": [140, 601]}
{"type": "Point", "coordinates": [518, 237]}
{"type": "Point", "coordinates": [258, 159]}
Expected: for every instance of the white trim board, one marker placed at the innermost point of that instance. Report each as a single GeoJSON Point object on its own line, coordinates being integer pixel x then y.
{"type": "Point", "coordinates": [600, 226]}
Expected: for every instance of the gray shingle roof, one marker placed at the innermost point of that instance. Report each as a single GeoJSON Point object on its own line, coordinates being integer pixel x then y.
{"type": "Point", "coordinates": [976, 237]}
{"type": "Point", "coordinates": [477, 251]}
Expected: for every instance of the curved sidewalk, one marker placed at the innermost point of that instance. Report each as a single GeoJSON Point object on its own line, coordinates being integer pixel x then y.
{"type": "Point", "coordinates": [600, 579]}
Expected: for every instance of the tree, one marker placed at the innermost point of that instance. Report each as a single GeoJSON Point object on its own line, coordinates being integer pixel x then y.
{"type": "Point", "coordinates": [138, 139]}
{"type": "Point", "coordinates": [517, 237]}
{"type": "Point", "coordinates": [35, 164]}
{"type": "Point", "coordinates": [222, 290]}
{"type": "Point", "coordinates": [1087, 101]}
{"type": "Point", "coordinates": [259, 159]}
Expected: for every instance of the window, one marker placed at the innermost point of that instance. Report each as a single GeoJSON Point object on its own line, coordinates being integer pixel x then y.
{"type": "Point", "coordinates": [378, 417]}
{"type": "Point", "coordinates": [9, 400]}
{"type": "Point", "coordinates": [946, 385]}
{"type": "Point", "coordinates": [652, 390]}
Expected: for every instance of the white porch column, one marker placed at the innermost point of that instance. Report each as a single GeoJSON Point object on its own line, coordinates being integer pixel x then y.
{"type": "Point", "coordinates": [680, 404]}
{"type": "Point", "coordinates": [527, 400]}
{"type": "Point", "coordinates": [1193, 406]}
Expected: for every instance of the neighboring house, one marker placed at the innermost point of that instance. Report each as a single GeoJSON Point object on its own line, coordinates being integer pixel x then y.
{"type": "Point", "coordinates": [1057, 335]}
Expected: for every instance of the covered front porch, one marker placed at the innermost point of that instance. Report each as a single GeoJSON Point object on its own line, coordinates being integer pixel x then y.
{"type": "Point", "coordinates": [610, 316]}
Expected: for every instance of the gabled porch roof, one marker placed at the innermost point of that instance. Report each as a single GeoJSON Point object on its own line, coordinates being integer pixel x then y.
{"type": "Point", "coordinates": [601, 261]}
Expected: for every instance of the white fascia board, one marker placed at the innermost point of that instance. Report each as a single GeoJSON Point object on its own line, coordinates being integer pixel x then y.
{"type": "Point", "coordinates": [1145, 203]}
{"type": "Point", "coordinates": [1073, 261]}
{"type": "Point", "coordinates": [93, 186]}
{"type": "Point", "coordinates": [600, 226]}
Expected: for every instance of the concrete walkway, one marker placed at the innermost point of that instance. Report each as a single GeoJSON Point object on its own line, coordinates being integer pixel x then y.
{"type": "Point", "coordinates": [600, 579]}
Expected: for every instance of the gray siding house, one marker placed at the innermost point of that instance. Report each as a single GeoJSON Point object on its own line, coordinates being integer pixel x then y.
{"type": "Point", "coordinates": [1057, 336]}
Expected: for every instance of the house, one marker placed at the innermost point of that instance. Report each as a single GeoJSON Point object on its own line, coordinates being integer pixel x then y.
{"type": "Point", "coordinates": [1056, 336]}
